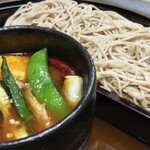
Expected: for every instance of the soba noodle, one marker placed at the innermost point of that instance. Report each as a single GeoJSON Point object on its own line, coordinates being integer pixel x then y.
{"type": "Point", "coordinates": [120, 48]}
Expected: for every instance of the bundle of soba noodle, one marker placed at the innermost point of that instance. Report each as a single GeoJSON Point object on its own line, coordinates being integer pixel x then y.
{"type": "Point", "coordinates": [120, 48]}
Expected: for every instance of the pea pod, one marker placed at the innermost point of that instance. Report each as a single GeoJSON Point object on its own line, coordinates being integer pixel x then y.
{"type": "Point", "coordinates": [16, 95]}
{"type": "Point", "coordinates": [43, 86]}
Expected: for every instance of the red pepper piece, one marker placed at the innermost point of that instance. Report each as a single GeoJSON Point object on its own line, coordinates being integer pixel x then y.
{"type": "Point", "coordinates": [62, 66]}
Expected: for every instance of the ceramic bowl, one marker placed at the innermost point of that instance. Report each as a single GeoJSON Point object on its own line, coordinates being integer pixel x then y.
{"type": "Point", "coordinates": [73, 131]}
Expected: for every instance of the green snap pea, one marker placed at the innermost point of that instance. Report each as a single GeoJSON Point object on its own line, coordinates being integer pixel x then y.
{"type": "Point", "coordinates": [16, 95]}
{"type": "Point", "coordinates": [43, 86]}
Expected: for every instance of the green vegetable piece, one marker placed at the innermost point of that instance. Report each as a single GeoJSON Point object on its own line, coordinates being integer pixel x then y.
{"type": "Point", "coordinates": [43, 86]}
{"type": "Point", "coordinates": [5, 107]}
{"type": "Point", "coordinates": [16, 95]}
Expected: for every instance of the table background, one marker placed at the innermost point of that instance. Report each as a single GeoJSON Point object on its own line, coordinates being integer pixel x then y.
{"type": "Point", "coordinates": [104, 136]}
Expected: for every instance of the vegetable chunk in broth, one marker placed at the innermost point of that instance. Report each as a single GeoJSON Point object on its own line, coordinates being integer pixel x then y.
{"type": "Point", "coordinates": [33, 94]}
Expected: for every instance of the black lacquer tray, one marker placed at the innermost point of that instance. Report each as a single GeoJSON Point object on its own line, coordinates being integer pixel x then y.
{"type": "Point", "coordinates": [109, 107]}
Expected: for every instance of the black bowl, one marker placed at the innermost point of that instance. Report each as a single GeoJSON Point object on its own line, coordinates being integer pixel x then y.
{"type": "Point", "coordinates": [73, 131]}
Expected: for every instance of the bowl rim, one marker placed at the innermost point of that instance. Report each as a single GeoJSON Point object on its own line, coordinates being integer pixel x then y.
{"type": "Point", "coordinates": [91, 86]}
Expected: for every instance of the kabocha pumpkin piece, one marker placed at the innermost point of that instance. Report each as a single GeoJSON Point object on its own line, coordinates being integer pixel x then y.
{"type": "Point", "coordinates": [18, 71]}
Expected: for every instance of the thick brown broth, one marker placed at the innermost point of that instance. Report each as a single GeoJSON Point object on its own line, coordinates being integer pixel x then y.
{"type": "Point", "coordinates": [33, 126]}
